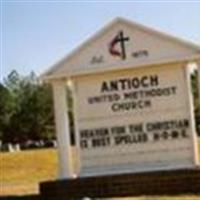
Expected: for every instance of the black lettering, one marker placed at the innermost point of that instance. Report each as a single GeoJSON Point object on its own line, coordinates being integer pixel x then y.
{"type": "Point", "coordinates": [113, 85]}
{"type": "Point", "coordinates": [116, 107]}
{"type": "Point", "coordinates": [104, 87]}
{"type": "Point", "coordinates": [156, 136]}
{"type": "Point", "coordinates": [174, 134]}
{"type": "Point", "coordinates": [123, 83]}
{"type": "Point", "coordinates": [144, 81]}
{"type": "Point", "coordinates": [173, 90]}
{"type": "Point", "coordinates": [154, 80]}
{"type": "Point", "coordinates": [118, 129]}
{"type": "Point", "coordinates": [135, 83]}
{"type": "Point", "coordinates": [136, 128]}
{"type": "Point", "coordinates": [101, 142]}
{"type": "Point", "coordinates": [184, 134]}
{"type": "Point", "coordinates": [165, 135]}
{"type": "Point", "coordinates": [84, 144]}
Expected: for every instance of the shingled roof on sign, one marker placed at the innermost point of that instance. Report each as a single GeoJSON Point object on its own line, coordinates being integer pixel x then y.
{"type": "Point", "coordinates": [143, 46]}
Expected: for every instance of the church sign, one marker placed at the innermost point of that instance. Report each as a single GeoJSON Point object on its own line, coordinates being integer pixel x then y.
{"type": "Point", "coordinates": [132, 103]}
{"type": "Point", "coordinates": [134, 120]}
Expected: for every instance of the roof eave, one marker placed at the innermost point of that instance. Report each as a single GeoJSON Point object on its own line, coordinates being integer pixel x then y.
{"type": "Point", "coordinates": [51, 78]}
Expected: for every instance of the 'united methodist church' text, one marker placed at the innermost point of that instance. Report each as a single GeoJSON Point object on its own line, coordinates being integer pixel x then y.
{"type": "Point", "coordinates": [133, 93]}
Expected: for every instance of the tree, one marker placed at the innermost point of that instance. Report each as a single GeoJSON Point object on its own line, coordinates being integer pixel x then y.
{"type": "Point", "coordinates": [32, 113]}
{"type": "Point", "coordinates": [6, 107]}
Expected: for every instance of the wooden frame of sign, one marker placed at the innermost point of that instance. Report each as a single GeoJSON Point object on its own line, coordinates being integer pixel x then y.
{"type": "Point", "coordinates": [175, 182]}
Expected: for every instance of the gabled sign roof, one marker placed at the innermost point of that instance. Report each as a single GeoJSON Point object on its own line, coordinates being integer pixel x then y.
{"type": "Point", "coordinates": [120, 45]}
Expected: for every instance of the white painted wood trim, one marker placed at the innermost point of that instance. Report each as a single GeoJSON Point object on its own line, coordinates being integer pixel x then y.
{"type": "Point", "coordinates": [62, 129]}
{"type": "Point", "coordinates": [53, 77]}
{"type": "Point", "coordinates": [76, 128]}
{"type": "Point", "coordinates": [190, 102]}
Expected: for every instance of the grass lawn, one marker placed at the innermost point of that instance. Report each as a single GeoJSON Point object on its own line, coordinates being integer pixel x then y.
{"type": "Point", "coordinates": [20, 173]}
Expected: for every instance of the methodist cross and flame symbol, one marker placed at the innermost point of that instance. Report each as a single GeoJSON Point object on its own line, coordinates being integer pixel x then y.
{"type": "Point", "coordinates": [118, 50]}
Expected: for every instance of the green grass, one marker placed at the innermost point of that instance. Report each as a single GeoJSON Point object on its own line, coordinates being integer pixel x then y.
{"type": "Point", "coordinates": [20, 173]}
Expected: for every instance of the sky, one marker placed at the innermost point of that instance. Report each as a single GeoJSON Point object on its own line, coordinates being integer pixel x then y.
{"type": "Point", "coordinates": [36, 34]}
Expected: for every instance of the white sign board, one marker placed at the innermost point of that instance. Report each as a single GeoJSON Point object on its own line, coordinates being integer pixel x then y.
{"type": "Point", "coordinates": [133, 107]}
{"type": "Point", "coordinates": [134, 120]}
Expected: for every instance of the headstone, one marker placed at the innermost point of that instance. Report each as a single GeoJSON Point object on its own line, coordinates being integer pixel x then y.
{"type": "Point", "coordinates": [17, 147]}
{"type": "Point", "coordinates": [54, 143]}
{"type": "Point", "coordinates": [11, 148]}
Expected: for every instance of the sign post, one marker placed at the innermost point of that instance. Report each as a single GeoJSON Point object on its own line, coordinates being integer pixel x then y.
{"type": "Point", "coordinates": [190, 102]}
{"type": "Point", "coordinates": [62, 129]}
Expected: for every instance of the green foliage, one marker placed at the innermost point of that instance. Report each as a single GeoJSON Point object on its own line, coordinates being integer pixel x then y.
{"type": "Point", "coordinates": [6, 106]}
{"type": "Point", "coordinates": [28, 109]}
